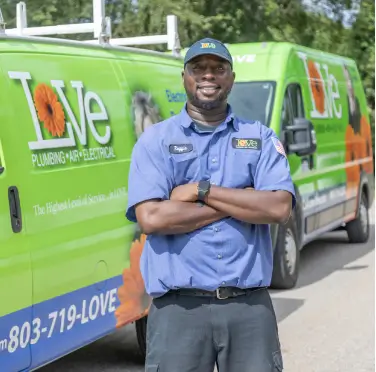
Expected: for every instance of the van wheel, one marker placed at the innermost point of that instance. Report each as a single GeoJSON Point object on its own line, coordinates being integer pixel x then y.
{"type": "Point", "coordinates": [358, 229]}
{"type": "Point", "coordinates": [141, 327]}
{"type": "Point", "coordinates": [286, 257]}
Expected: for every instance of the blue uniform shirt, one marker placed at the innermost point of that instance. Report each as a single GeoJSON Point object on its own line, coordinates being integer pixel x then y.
{"type": "Point", "coordinates": [236, 154]}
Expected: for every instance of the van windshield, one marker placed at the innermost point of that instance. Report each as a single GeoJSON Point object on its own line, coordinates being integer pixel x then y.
{"type": "Point", "coordinates": [253, 100]}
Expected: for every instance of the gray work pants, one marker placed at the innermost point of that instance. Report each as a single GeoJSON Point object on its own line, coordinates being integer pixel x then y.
{"type": "Point", "coordinates": [192, 334]}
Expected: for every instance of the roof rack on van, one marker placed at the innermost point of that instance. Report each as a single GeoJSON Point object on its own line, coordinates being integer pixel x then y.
{"type": "Point", "coordinates": [100, 27]}
{"type": "Point", "coordinates": [2, 23]}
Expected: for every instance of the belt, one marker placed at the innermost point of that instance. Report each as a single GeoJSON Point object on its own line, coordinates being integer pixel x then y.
{"type": "Point", "coordinates": [221, 293]}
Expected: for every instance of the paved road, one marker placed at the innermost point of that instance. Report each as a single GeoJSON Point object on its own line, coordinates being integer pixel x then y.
{"type": "Point", "coordinates": [326, 323]}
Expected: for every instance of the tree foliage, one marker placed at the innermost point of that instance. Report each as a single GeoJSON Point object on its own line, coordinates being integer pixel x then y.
{"type": "Point", "coordinates": [346, 27]}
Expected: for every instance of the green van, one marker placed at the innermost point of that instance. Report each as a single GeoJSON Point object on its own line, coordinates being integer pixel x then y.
{"type": "Point", "coordinates": [315, 102]}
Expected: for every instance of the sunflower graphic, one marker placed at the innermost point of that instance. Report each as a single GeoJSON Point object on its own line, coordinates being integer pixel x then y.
{"type": "Point", "coordinates": [134, 301]}
{"type": "Point", "coordinates": [49, 110]}
{"type": "Point", "coordinates": [317, 87]}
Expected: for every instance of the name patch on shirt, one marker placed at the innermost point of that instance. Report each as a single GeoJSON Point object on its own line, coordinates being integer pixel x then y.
{"type": "Point", "coordinates": [180, 149]}
{"type": "Point", "coordinates": [246, 143]}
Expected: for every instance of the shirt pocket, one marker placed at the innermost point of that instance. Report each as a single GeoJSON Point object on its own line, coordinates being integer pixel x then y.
{"type": "Point", "coordinates": [186, 167]}
{"type": "Point", "coordinates": [243, 164]}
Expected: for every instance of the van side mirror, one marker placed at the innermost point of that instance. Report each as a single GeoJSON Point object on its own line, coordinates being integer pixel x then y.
{"type": "Point", "coordinates": [301, 137]}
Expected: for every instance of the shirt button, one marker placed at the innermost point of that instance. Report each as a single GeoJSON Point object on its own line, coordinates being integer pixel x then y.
{"type": "Point", "coordinates": [214, 160]}
{"type": "Point", "coordinates": [219, 256]}
{"type": "Point", "coordinates": [216, 229]}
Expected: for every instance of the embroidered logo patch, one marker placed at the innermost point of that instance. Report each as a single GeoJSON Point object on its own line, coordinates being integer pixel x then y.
{"type": "Point", "coordinates": [246, 143]}
{"type": "Point", "coordinates": [207, 45]}
{"type": "Point", "coordinates": [180, 149]}
{"type": "Point", "coordinates": [278, 146]}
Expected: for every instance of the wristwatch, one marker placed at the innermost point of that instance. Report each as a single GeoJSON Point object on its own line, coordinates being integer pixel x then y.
{"type": "Point", "coordinates": [203, 189]}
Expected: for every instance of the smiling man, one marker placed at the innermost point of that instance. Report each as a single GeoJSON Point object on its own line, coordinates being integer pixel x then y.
{"type": "Point", "coordinates": [205, 185]}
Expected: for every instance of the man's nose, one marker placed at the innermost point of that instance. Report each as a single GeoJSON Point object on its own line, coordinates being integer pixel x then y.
{"type": "Point", "coordinates": [208, 74]}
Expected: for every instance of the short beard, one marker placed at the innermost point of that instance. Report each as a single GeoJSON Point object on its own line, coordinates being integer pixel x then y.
{"type": "Point", "coordinates": [208, 105]}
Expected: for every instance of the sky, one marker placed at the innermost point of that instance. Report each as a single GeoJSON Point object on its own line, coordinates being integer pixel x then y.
{"type": "Point", "coordinates": [347, 15]}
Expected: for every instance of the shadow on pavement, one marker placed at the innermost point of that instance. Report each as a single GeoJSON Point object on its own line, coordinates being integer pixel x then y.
{"type": "Point", "coordinates": [330, 253]}
{"type": "Point", "coordinates": [319, 259]}
{"type": "Point", "coordinates": [284, 307]}
{"type": "Point", "coordinates": [117, 352]}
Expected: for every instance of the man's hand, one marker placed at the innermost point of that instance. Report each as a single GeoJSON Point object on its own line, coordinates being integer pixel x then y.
{"type": "Point", "coordinates": [185, 193]}
{"type": "Point", "coordinates": [188, 192]}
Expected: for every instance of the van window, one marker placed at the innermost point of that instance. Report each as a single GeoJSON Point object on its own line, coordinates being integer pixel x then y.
{"type": "Point", "coordinates": [253, 100]}
{"type": "Point", "coordinates": [296, 98]}
{"type": "Point", "coordinates": [286, 115]}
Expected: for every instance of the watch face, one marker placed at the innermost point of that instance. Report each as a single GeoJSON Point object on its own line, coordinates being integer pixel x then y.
{"type": "Point", "coordinates": [204, 185]}
{"type": "Point", "coordinates": [203, 188]}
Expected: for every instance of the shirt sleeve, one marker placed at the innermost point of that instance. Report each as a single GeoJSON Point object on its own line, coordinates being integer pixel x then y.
{"type": "Point", "coordinates": [273, 170]}
{"type": "Point", "coordinates": [149, 177]}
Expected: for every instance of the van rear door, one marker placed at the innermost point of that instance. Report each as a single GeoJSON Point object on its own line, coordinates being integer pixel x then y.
{"type": "Point", "coordinates": [17, 330]}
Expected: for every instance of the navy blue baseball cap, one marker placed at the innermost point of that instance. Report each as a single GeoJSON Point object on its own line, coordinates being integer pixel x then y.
{"type": "Point", "coordinates": [208, 46]}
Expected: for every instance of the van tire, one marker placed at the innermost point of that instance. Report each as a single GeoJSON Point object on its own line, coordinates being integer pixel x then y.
{"type": "Point", "coordinates": [286, 257]}
{"type": "Point", "coordinates": [141, 328]}
{"type": "Point", "coordinates": [358, 229]}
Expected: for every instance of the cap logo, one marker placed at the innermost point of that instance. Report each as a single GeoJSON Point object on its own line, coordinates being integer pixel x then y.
{"type": "Point", "coordinates": [207, 45]}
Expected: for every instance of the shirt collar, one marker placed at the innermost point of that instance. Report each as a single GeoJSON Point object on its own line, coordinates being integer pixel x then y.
{"type": "Point", "coordinates": [186, 121]}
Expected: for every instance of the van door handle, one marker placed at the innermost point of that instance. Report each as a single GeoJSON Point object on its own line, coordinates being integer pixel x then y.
{"type": "Point", "coordinates": [15, 209]}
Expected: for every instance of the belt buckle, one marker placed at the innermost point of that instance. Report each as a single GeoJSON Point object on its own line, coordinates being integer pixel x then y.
{"type": "Point", "coordinates": [218, 292]}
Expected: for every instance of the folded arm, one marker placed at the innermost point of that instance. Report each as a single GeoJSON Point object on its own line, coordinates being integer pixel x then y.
{"type": "Point", "coordinates": [273, 196]}
{"type": "Point", "coordinates": [174, 217]}
{"type": "Point", "coordinates": [252, 206]}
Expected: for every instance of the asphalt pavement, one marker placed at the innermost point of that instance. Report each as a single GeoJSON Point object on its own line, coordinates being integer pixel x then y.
{"type": "Point", "coordinates": [326, 323]}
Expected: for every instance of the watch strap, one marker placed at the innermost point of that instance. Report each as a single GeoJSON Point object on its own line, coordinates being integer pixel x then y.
{"type": "Point", "coordinates": [203, 189]}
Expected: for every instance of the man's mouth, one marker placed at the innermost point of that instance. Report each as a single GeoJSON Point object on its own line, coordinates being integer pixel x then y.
{"type": "Point", "coordinates": [208, 89]}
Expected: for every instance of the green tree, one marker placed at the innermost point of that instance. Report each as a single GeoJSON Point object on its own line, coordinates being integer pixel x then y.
{"type": "Point", "coordinates": [344, 27]}
{"type": "Point", "coordinates": [362, 48]}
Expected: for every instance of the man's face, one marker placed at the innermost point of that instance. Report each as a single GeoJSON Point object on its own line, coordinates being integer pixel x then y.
{"type": "Point", "coordinates": [208, 81]}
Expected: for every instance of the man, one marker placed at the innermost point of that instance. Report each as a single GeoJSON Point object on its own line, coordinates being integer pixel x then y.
{"type": "Point", "coordinates": [204, 185]}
